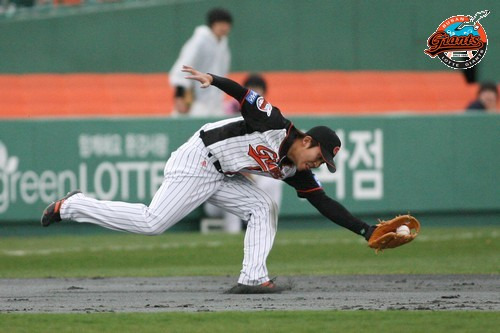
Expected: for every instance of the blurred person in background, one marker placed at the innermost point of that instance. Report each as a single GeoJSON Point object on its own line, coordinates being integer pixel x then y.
{"type": "Point", "coordinates": [273, 187]}
{"type": "Point", "coordinates": [487, 99]}
{"type": "Point", "coordinates": [207, 50]}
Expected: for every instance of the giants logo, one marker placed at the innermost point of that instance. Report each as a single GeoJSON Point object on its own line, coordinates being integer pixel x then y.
{"type": "Point", "coordinates": [264, 106]}
{"type": "Point", "coordinates": [459, 41]}
{"type": "Point", "coordinates": [267, 160]}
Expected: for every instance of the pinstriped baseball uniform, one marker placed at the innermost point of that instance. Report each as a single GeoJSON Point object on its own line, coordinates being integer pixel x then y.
{"type": "Point", "coordinates": [206, 168]}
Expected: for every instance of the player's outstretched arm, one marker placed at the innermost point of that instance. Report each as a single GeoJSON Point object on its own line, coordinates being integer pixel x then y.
{"type": "Point", "coordinates": [230, 87]}
{"type": "Point", "coordinates": [385, 235]}
{"type": "Point", "coordinates": [338, 214]}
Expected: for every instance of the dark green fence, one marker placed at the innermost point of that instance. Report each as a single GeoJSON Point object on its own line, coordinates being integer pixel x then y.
{"type": "Point", "coordinates": [432, 164]}
{"type": "Point", "coordinates": [267, 35]}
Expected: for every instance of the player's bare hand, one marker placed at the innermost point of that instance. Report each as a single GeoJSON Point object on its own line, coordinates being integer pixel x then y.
{"type": "Point", "coordinates": [204, 78]}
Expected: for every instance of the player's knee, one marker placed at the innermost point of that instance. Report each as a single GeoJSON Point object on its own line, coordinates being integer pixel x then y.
{"type": "Point", "coordinates": [151, 231]}
{"type": "Point", "coordinates": [153, 227]}
{"type": "Point", "coordinates": [267, 207]}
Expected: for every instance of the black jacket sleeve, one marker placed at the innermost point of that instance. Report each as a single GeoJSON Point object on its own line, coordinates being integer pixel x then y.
{"type": "Point", "coordinates": [338, 213]}
{"type": "Point", "coordinates": [230, 87]}
{"type": "Point", "coordinates": [309, 188]}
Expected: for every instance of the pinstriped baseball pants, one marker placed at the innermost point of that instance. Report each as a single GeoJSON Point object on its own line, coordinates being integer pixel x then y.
{"type": "Point", "coordinates": [191, 179]}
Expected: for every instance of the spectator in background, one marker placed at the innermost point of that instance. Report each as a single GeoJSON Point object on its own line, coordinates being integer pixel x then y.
{"type": "Point", "coordinates": [208, 51]}
{"type": "Point", "coordinates": [487, 98]}
{"type": "Point", "coordinates": [273, 187]}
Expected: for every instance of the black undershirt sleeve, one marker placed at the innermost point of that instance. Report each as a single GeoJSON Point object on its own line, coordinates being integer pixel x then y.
{"type": "Point", "coordinates": [309, 188]}
{"type": "Point", "coordinates": [338, 214]}
{"type": "Point", "coordinates": [230, 87]}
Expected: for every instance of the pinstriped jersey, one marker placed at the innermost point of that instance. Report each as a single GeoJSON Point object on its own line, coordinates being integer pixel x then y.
{"type": "Point", "coordinates": [250, 143]}
{"type": "Point", "coordinates": [257, 143]}
{"type": "Point", "coordinates": [240, 147]}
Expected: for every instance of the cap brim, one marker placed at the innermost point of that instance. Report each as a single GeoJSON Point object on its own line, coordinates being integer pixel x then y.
{"type": "Point", "coordinates": [328, 158]}
{"type": "Point", "coordinates": [331, 167]}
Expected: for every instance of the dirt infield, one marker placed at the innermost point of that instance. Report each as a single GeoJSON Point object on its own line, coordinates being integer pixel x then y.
{"type": "Point", "coordinates": [194, 294]}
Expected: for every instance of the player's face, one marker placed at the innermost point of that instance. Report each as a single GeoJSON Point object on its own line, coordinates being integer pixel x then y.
{"type": "Point", "coordinates": [310, 158]}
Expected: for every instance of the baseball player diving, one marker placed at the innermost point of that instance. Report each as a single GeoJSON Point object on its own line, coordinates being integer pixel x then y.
{"type": "Point", "coordinates": [207, 168]}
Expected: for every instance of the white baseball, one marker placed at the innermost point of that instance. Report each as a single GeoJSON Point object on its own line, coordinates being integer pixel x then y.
{"type": "Point", "coordinates": [403, 230]}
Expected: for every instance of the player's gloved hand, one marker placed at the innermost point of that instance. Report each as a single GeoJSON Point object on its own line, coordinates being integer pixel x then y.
{"type": "Point", "coordinates": [386, 235]}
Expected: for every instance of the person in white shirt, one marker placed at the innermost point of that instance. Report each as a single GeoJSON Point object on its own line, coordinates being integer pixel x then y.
{"type": "Point", "coordinates": [208, 50]}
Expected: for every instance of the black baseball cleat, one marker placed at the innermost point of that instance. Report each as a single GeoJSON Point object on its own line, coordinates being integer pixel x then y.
{"type": "Point", "coordinates": [268, 287]}
{"type": "Point", "coordinates": [51, 214]}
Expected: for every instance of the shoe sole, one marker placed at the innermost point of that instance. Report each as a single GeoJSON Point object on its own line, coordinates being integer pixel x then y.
{"type": "Point", "coordinates": [244, 289]}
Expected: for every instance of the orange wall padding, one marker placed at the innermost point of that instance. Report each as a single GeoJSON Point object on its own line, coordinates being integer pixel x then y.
{"type": "Point", "coordinates": [371, 92]}
{"type": "Point", "coordinates": [322, 92]}
{"type": "Point", "coordinates": [42, 95]}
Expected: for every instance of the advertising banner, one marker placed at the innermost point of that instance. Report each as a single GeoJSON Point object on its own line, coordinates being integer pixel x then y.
{"type": "Point", "coordinates": [396, 163]}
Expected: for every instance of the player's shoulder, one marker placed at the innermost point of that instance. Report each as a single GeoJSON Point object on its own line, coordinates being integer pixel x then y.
{"type": "Point", "coordinates": [304, 176]}
{"type": "Point", "coordinates": [258, 107]}
{"type": "Point", "coordinates": [305, 183]}
{"type": "Point", "coordinates": [251, 97]}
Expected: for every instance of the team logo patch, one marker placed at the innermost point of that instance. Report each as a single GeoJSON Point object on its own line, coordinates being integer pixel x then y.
{"type": "Point", "coordinates": [251, 96]}
{"type": "Point", "coordinates": [264, 106]}
{"type": "Point", "coordinates": [460, 41]}
{"type": "Point", "coordinates": [267, 160]}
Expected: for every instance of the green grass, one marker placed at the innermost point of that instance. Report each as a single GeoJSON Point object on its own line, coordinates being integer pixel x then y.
{"type": "Point", "coordinates": [328, 251]}
{"type": "Point", "coordinates": [276, 321]}
{"type": "Point", "coordinates": [471, 250]}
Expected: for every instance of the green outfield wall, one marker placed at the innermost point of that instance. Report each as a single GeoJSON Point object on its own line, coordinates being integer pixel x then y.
{"type": "Point", "coordinates": [268, 35]}
{"type": "Point", "coordinates": [427, 164]}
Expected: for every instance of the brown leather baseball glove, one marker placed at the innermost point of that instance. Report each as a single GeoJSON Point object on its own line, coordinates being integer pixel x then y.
{"type": "Point", "coordinates": [385, 236]}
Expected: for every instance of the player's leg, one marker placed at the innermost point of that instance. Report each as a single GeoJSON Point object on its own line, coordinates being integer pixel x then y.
{"type": "Point", "coordinates": [273, 187]}
{"type": "Point", "coordinates": [190, 179]}
{"type": "Point", "coordinates": [231, 222]}
{"type": "Point", "coordinates": [240, 196]}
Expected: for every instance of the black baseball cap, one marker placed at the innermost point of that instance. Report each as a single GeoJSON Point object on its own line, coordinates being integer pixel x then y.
{"type": "Point", "coordinates": [329, 143]}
